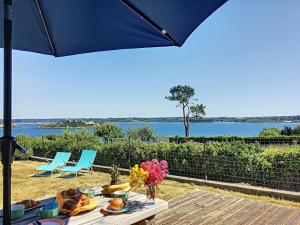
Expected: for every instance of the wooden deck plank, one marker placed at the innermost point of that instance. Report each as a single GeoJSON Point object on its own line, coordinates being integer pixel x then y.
{"type": "Point", "coordinates": [227, 213]}
{"type": "Point", "coordinates": [195, 211]}
{"type": "Point", "coordinates": [178, 213]}
{"type": "Point", "coordinates": [186, 205]}
{"type": "Point", "coordinates": [293, 220]}
{"type": "Point", "coordinates": [207, 208]}
{"type": "Point", "coordinates": [213, 212]}
{"type": "Point", "coordinates": [214, 216]}
{"type": "Point", "coordinates": [279, 216]}
{"type": "Point", "coordinates": [201, 204]}
{"type": "Point", "coordinates": [252, 210]}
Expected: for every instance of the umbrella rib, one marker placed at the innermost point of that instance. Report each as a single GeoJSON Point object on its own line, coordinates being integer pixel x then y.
{"type": "Point", "coordinates": [45, 27]}
{"type": "Point", "coordinates": [149, 21]}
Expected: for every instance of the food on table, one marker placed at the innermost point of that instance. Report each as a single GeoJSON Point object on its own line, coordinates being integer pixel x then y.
{"type": "Point", "coordinates": [109, 189]}
{"type": "Point", "coordinates": [117, 203]}
{"type": "Point", "coordinates": [76, 202]}
{"type": "Point", "coordinates": [115, 183]}
{"type": "Point", "coordinates": [70, 193]}
{"type": "Point", "coordinates": [115, 175]}
{"type": "Point", "coordinates": [72, 202]}
{"type": "Point", "coordinates": [84, 200]}
{"type": "Point", "coordinates": [29, 203]}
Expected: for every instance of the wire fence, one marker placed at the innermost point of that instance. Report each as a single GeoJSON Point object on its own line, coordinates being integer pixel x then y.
{"type": "Point", "coordinates": [274, 166]}
{"type": "Point", "coordinates": [283, 140]}
{"type": "Point", "coordinates": [274, 172]}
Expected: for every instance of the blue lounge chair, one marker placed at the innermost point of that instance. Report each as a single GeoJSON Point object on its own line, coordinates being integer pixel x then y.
{"type": "Point", "coordinates": [60, 160]}
{"type": "Point", "coordinates": [85, 162]}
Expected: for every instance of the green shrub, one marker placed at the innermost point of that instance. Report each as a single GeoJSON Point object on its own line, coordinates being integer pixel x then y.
{"type": "Point", "coordinates": [270, 132]}
{"type": "Point", "coordinates": [26, 142]}
{"type": "Point", "coordinates": [230, 161]}
{"type": "Point", "coordinates": [144, 133]}
{"type": "Point", "coordinates": [109, 130]}
{"type": "Point", "coordinates": [247, 140]}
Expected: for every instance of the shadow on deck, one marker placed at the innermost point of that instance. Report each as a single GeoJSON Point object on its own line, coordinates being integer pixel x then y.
{"type": "Point", "coordinates": [202, 207]}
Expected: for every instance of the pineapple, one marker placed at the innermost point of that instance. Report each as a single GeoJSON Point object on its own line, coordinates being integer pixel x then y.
{"type": "Point", "coordinates": [115, 175]}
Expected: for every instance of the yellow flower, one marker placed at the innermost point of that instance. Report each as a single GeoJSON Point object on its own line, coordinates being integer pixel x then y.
{"type": "Point", "coordinates": [137, 176]}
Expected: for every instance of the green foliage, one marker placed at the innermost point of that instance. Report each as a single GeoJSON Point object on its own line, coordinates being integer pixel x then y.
{"type": "Point", "coordinates": [144, 133]}
{"type": "Point", "coordinates": [69, 124]}
{"type": "Point", "coordinates": [270, 132]}
{"type": "Point", "coordinates": [296, 130]}
{"type": "Point", "coordinates": [47, 146]}
{"type": "Point", "coordinates": [248, 140]}
{"type": "Point", "coordinates": [233, 161]}
{"type": "Point", "coordinates": [26, 142]}
{"type": "Point", "coordinates": [183, 94]}
{"type": "Point", "coordinates": [109, 130]}
{"type": "Point", "coordinates": [198, 111]}
{"type": "Point", "coordinates": [288, 131]}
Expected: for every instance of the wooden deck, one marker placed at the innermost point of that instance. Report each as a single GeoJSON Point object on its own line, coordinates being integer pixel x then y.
{"type": "Point", "coordinates": [202, 207]}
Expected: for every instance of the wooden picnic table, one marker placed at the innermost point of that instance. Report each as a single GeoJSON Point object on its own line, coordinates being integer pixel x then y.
{"type": "Point", "coordinates": [96, 217]}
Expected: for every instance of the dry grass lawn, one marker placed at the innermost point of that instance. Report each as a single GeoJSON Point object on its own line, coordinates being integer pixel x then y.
{"type": "Point", "coordinates": [26, 186]}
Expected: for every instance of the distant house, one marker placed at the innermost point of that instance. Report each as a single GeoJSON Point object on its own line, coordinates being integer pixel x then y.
{"type": "Point", "coordinates": [90, 123]}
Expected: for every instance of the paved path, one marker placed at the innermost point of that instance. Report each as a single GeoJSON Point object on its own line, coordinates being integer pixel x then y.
{"type": "Point", "coordinates": [201, 207]}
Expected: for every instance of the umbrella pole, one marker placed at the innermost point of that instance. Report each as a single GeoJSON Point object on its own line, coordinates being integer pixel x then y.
{"type": "Point", "coordinates": [7, 141]}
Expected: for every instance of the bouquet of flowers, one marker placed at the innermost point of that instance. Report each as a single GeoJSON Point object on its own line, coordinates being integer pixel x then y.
{"type": "Point", "coordinates": [150, 173]}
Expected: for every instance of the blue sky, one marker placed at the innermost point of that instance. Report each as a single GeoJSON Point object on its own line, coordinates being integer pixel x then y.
{"type": "Point", "coordinates": [242, 61]}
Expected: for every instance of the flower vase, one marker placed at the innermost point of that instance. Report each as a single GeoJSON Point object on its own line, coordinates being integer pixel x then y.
{"type": "Point", "coordinates": [151, 194]}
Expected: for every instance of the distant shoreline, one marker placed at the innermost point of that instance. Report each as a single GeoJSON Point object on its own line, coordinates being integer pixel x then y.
{"type": "Point", "coordinates": [66, 127]}
{"type": "Point", "coordinates": [94, 121]}
{"type": "Point", "coordinates": [93, 127]}
{"type": "Point", "coordinates": [13, 125]}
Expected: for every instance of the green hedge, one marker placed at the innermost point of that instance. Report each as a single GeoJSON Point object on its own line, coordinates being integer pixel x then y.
{"type": "Point", "coordinates": [236, 161]}
{"type": "Point", "coordinates": [248, 140]}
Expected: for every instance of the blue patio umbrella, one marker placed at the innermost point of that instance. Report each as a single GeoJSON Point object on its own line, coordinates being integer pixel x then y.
{"type": "Point", "coordinates": [69, 27]}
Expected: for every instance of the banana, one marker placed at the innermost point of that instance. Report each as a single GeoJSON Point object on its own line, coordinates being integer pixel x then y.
{"type": "Point", "coordinates": [109, 189]}
{"type": "Point", "coordinates": [105, 187]}
{"type": "Point", "coordinates": [118, 187]}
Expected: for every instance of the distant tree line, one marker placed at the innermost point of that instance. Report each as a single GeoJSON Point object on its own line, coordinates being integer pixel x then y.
{"type": "Point", "coordinates": [275, 132]}
{"type": "Point", "coordinates": [290, 131]}
{"type": "Point", "coordinates": [112, 131]}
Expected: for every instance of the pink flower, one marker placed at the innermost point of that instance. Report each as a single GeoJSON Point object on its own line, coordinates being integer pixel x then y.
{"type": "Point", "coordinates": [157, 171]}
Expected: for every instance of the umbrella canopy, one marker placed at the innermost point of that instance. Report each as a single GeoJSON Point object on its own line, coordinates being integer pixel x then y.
{"type": "Point", "coordinates": [69, 27]}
